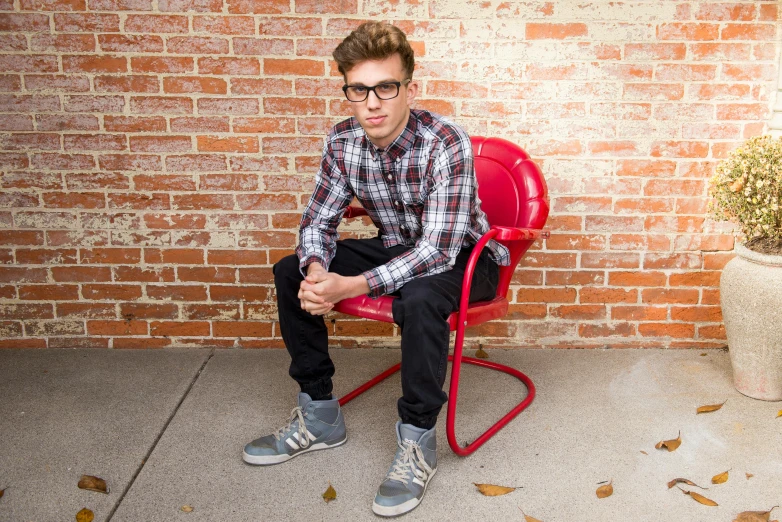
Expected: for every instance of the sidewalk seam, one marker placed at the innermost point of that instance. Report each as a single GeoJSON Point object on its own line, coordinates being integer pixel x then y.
{"type": "Point", "coordinates": [159, 436]}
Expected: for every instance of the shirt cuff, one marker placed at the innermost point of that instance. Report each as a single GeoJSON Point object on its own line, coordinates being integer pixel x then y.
{"type": "Point", "coordinates": [377, 286]}
{"type": "Point", "coordinates": [307, 261]}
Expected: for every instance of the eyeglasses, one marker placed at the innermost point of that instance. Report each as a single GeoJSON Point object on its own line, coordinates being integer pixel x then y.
{"type": "Point", "coordinates": [384, 91]}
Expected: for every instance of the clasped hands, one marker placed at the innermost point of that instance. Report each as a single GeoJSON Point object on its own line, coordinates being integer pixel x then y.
{"type": "Point", "coordinates": [321, 290]}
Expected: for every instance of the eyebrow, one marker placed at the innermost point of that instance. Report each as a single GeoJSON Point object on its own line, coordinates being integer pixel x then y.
{"type": "Point", "coordinates": [361, 84]}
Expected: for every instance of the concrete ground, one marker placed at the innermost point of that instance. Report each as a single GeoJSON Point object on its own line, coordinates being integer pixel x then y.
{"type": "Point", "coordinates": [165, 429]}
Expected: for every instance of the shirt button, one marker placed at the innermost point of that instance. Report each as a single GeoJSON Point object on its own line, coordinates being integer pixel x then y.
{"type": "Point", "coordinates": [398, 160]}
{"type": "Point", "coordinates": [389, 177]}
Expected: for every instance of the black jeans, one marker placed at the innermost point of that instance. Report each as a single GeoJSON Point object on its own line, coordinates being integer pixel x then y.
{"type": "Point", "coordinates": [421, 311]}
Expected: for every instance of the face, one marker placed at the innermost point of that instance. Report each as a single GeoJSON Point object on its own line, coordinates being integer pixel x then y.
{"type": "Point", "coordinates": [382, 120]}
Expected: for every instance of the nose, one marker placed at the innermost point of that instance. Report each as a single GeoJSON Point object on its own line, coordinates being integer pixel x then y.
{"type": "Point", "coordinates": [373, 102]}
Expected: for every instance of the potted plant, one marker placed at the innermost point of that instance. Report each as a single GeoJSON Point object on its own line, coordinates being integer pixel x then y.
{"type": "Point", "coordinates": [747, 190]}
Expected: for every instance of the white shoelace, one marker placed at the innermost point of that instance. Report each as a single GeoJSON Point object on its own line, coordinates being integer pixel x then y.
{"type": "Point", "coordinates": [304, 436]}
{"type": "Point", "coordinates": [410, 460]}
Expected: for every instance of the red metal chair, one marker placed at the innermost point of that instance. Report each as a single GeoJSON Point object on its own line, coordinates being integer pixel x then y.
{"type": "Point", "coordinates": [515, 198]}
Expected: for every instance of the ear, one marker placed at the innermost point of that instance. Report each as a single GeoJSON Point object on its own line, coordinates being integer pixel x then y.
{"type": "Point", "coordinates": [412, 92]}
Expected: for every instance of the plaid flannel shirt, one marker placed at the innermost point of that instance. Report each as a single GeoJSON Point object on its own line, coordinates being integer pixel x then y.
{"type": "Point", "coordinates": [420, 192]}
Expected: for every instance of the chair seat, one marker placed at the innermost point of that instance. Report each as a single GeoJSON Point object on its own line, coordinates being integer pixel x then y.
{"type": "Point", "coordinates": [380, 310]}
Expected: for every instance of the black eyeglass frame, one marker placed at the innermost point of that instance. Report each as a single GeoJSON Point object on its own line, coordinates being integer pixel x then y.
{"type": "Point", "coordinates": [398, 85]}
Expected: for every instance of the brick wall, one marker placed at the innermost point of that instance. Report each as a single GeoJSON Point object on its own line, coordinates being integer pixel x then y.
{"type": "Point", "coordinates": [155, 156]}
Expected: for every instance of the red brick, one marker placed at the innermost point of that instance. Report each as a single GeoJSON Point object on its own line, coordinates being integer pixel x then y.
{"type": "Point", "coordinates": [726, 11]}
{"type": "Point", "coordinates": [239, 293]}
{"type": "Point", "coordinates": [712, 332]}
{"type": "Point", "coordinates": [177, 292]}
{"type": "Point", "coordinates": [697, 314]}
{"type": "Point", "coordinates": [228, 182]}
{"type": "Point", "coordinates": [110, 256]}
{"type": "Point", "coordinates": [227, 144]}
{"type": "Point", "coordinates": [266, 86]}
{"type": "Point", "coordinates": [579, 312]}
{"type": "Point", "coordinates": [26, 311]}
{"type": "Point", "coordinates": [77, 238]}
{"type": "Point", "coordinates": [134, 123]}
{"type": "Point", "coordinates": [12, 83]}
{"type": "Point", "coordinates": [184, 6]}
{"type": "Point", "coordinates": [177, 329]}
{"type": "Point", "coordinates": [655, 51]}
{"type": "Point", "coordinates": [160, 143]}
{"type": "Point", "coordinates": [547, 295]}
{"type": "Point", "coordinates": [211, 311]}
{"type": "Point", "coordinates": [202, 124]}
{"type": "Point", "coordinates": [265, 163]}
{"type": "Point", "coordinates": [23, 343]}
{"type": "Point", "coordinates": [742, 111]}
{"type": "Point", "coordinates": [291, 145]}
{"type": "Point", "coordinates": [120, 5]}
{"type": "Point", "coordinates": [666, 330]}
{"type": "Point", "coordinates": [297, 67]}
{"type": "Point", "coordinates": [117, 327]}
{"type": "Point", "coordinates": [670, 296]}
{"type": "Point", "coordinates": [16, 122]}
{"type": "Point", "coordinates": [244, 221]}
{"type": "Point", "coordinates": [93, 181]}
{"type": "Point", "coordinates": [143, 343]}
{"type": "Point", "coordinates": [28, 63]}
{"type": "Point", "coordinates": [748, 32]}
{"type": "Point", "coordinates": [264, 7]}
{"type": "Point", "coordinates": [94, 104]}
{"type": "Point", "coordinates": [130, 43]}
{"type": "Point", "coordinates": [111, 292]}
{"type": "Point", "coordinates": [749, 72]}
{"type": "Point", "coordinates": [78, 342]}
{"type": "Point", "coordinates": [71, 43]}
{"type": "Point", "coordinates": [17, 22]}
{"type": "Point", "coordinates": [697, 279]}
{"type": "Point", "coordinates": [208, 274]}
{"type": "Point", "coordinates": [16, 274]}
{"type": "Point", "coordinates": [74, 200]}
{"type": "Point", "coordinates": [177, 256]}
{"type": "Point", "coordinates": [242, 329]}
{"type": "Point", "coordinates": [29, 103]}
{"type": "Point", "coordinates": [294, 106]}
{"type": "Point", "coordinates": [196, 45]}
{"type": "Point", "coordinates": [769, 12]}
{"type": "Point", "coordinates": [686, 72]}
{"type": "Point", "coordinates": [162, 64]}
{"type": "Point", "coordinates": [606, 330]}
{"type": "Point", "coordinates": [86, 23]}
{"type": "Point", "coordinates": [671, 261]}
{"type": "Point", "coordinates": [13, 42]}
{"type": "Point", "coordinates": [85, 310]}
{"type": "Point", "coordinates": [130, 162]}
{"type": "Point", "coordinates": [645, 278]}
{"type": "Point", "coordinates": [139, 201]}
{"type": "Point", "coordinates": [653, 91]}
{"type": "Point", "coordinates": [45, 256]}
{"type": "Point", "coordinates": [322, 47]}
{"type": "Point", "coordinates": [94, 63]}
{"type": "Point", "coordinates": [268, 125]}
{"type": "Point", "coordinates": [146, 24]}
{"type": "Point", "coordinates": [145, 84]}
{"type": "Point", "coordinates": [191, 84]}
{"type": "Point", "coordinates": [576, 242]}
{"type": "Point", "coordinates": [175, 221]}
{"type": "Point", "coordinates": [29, 141]}
{"type": "Point", "coordinates": [24, 180]}
{"type": "Point", "coordinates": [157, 105]}
{"type": "Point", "coordinates": [639, 313]}
{"type": "Point", "coordinates": [81, 274]}
{"type": "Point", "coordinates": [58, 122]}
{"type": "Point", "coordinates": [94, 142]}
{"type": "Point", "coordinates": [229, 65]}
{"type": "Point", "coordinates": [680, 149]}
{"type": "Point", "coordinates": [203, 202]}
{"type": "Point", "coordinates": [257, 202]}
{"type": "Point", "coordinates": [340, 7]}
{"type": "Point", "coordinates": [267, 239]}
{"type": "Point", "coordinates": [263, 46]}
{"type": "Point", "coordinates": [224, 24]}
{"type": "Point", "coordinates": [688, 31]}
{"type": "Point", "coordinates": [196, 162]}
{"type": "Point", "coordinates": [148, 275]}
{"type": "Point", "coordinates": [724, 52]}
{"type": "Point", "coordinates": [607, 295]}
{"type": "Point", "coordinates": [130, 311]}
{"type": "Point", "coordinates": [692, 224]}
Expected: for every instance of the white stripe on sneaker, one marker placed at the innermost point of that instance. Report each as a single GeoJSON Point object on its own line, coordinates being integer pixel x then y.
{"type": "Point", "coordinates": [417, 481]}
{"type": "Point", "coordinates": [292, 443]}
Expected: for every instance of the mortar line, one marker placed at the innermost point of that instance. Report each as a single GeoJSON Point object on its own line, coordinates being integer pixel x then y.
{"type": "Point", "coordinates": [159, 436]}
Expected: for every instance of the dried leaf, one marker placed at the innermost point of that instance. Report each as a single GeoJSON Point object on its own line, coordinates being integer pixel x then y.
{"type": "Point", "coordinates": [93, 484]}
{"type": "Point", "coordinates": [481, 353]}
{"type": "Point", "coordinates": [779, 414]}
{"type": "Point", "coordinates": [749, 475]}
{"type": "Point", "coordinates": [85, 515]}
{"type": "Point", "coordinates": [491, 490]}
{"type": "Point", "coordinates": [528, 518]}
{"type": "Point", "coordinates": [720, 479]}
{"type": "Point", "coordinates": [670, 445]}
{"type": "Point", "coordinates": [700, 498]}
{"type": "Point", "coordinates": [2, 492]}
{"type": "Point", "coordinates": [605, 491]}
{"type": "Point", "coordinates": [754, 516]}
{"type": "Point", "coordinates": [685, 481]}
{"type": "Point", "coordinates": [704, 354]}
{"type": "Point", "coordinates": [187, 509]}
{"type": "Point", "coordinates": [330, 493]}
{"type": "Point", "coordinates": [642, 451]}
{"type": "Point", "coordinates": [709, 408]}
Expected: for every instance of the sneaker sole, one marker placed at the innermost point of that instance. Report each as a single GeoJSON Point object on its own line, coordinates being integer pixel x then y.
{"type": "Point", "coordinates": [404, 507]}
{"type": "Point", "coordinates": [268, 460]}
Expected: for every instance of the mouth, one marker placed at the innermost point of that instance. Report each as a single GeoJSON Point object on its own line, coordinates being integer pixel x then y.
{"type": "Point", "coordinates": [375, 120]}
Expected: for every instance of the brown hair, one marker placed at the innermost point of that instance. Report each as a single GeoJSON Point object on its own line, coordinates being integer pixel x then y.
{"type": "Point", "coordinates": [374, 41]}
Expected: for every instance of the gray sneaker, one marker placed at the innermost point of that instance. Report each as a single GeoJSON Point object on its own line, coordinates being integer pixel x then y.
{"type": "Point", "coordinates": [314, 425]}
{"type": "Point", "coordinates": [414, 466]}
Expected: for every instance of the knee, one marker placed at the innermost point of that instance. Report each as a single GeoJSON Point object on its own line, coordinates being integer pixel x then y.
{"type": "Point", "coordinates": [420, 300]}
{"type": "Point", "coordinates": [287, 270]}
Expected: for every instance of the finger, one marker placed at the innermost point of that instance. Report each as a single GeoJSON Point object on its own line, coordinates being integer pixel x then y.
{"type": "Point", "coordinates": [312, 297]}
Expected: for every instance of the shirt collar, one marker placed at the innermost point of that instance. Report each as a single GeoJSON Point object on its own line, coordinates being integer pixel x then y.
{"type": "Point", "coordinates": [401, 144]}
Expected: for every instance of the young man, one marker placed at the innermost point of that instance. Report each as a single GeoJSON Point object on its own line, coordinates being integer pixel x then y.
{"type": "Point", "coordinates": [413, 173]}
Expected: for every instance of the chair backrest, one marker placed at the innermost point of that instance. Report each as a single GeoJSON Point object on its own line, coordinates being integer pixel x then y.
{"type": "Point", "coordinates": [512, 192]}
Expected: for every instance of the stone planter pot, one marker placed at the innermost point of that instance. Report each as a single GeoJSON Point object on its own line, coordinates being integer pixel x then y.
{"type": "Point", "coordinates": [751, 299]}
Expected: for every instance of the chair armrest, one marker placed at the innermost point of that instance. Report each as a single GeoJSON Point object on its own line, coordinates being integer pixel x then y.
{"type": "Point", "coordinates": [514, 233]}
{"type": "Point", "coordinates": [352, 212]}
